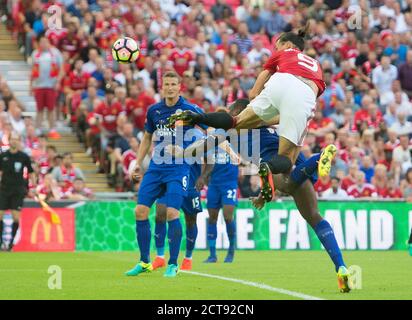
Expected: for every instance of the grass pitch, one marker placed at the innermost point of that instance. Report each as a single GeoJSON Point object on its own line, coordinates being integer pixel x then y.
{"type": "Point", "coordinates": [91, 275]}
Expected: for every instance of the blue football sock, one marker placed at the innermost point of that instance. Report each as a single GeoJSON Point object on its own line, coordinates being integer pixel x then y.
{"type": "Point", "coordinates": [160, 236]}
{"type": "Point", "coordinates": [326, 236]}
{"type": "Point", "coordinates": [211, 238]}
{"type": "Point", "coordinates": [305, 170]}
{"type": "Point", "coordinates": [231, 233]}
{"type": "Point", "coordinates": [143, 235]}
{"type": "Point", "coordinates": [191, 235]}
{"type": "Point", "coordinates": [175, 238]}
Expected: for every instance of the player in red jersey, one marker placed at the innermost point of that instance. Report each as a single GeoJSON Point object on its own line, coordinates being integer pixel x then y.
{"type": "Point", "coordinates": [286, 89]}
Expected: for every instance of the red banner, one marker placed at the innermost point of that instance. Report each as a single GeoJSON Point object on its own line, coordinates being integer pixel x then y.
{"type": "Point", "coordinates": [38, 233]}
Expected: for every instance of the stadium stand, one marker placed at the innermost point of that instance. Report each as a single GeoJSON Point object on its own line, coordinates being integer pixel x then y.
{"type": "Point", "coordinates": [218, 47]}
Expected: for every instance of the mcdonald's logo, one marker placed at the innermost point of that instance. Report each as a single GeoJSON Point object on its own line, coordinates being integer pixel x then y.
{"type": "Point", "coordinates": [47, 228]}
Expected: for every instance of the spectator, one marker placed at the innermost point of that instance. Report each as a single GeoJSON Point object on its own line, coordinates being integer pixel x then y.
{"type": "Point", "coordinates": [242, 39]}
{"type": "Point", "coordinates": [402, 154]}
{"type": "Point", "coordinates": [15, 118]}
{"type": "Point", "coordinates": [318, 10]}
{"type": "Point", "coordinates": [49, 190]}
{"type": "Point", "coordinates": [335, 192]}
{"type": "Point", "coordinates": [367, 168]}
{"type": "Point", "coordinates": [323, 184]}
{"type": "Point", "coordinates": [127, 159]}
{"type": "Point", "coordinates": [402, 126]}
{"type": "Point", "coordinates": [45, 79]}
{"type": "Point", "coordinates": [320, 126]}
{"type": "Point", "coordinates": [382, 77]}
{"type": "Point", "coordinates": [275, 23]}
{"type": "Point", "coordinates": [332, 94]}
{"type": "Point", "coordinates": [392, 191]}
{"type": "Point", "coordinates": [181, 58]}
{"type": "Point", "coordinates": [380, 180]}
{"type": "Point", "coordinates": [361, 189]}
{"type": "Point", "coordinates": [396, 51]}
{"type": "Point", "coordinates": [78, 191]}
{"type": "Point", "coordinates": [66, 173]}
{"type": "Point", "coordinates": [255, 22]}
{"type": "Point", "coordinates": [256, 54]}
{"type": "Point", "coordinates": [405, 74]}
{"type": "Point", "coordinates": [406, 185]}
{"type": "Point", "coordinates": [91, 65]}
{"type": "Point", "coordinates": [218, 9]}
{"type": "Point", "coordinates": [350, 179]}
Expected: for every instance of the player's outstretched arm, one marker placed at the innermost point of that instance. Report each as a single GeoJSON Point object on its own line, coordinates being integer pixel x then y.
{"type": "Point", "coordinates": [203, 180]}
{"type": "Point", "coordinates": [262, 78]}
{"type": "Point", "coordinates": [220, 120]}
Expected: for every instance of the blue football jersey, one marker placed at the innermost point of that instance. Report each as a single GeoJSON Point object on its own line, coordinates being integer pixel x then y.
{"type": "Point", "coordinates": [156, 121]}
{"type": "Point", "coordinates": [224, 172]}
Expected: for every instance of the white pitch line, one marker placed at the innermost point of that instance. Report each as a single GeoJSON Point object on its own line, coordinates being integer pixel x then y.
{"type": "Point", "coordinates": [256, 285]}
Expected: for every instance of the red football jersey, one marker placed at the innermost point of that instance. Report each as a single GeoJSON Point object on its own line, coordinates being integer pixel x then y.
{"type": "Point", "coordinates": [181, 60]}
{"type": "Point", "coordinates": [367, 190]}
{"type": "Point", "coordinates": [128, 156]}
{"type": "Point", "coordinates": [77, 81]}
{"type": "Point", "coordinates": [347, 182]}
{"type": "Point", "coordinates": [160, 44]}
{"type": "Point", "coordinates": [137, 108]}
{"type": "Point", "coordinates": [109, 115]}
{"type": "Point", "coordinates": [321, 186]}
{"type": "Point", "coordinates": [293, 61]}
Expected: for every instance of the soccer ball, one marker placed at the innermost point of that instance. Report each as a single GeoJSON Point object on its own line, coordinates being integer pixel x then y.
{"type": "Point", "coordinates": [125, 50]}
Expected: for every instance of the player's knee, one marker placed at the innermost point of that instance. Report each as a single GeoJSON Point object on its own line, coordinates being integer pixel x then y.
{"type": "Point", "coordinates": [161, 213]}
{"type": "Point", "coordinates": [142, 212]}
{"type": "Point", "coordinates": [213, 218]}
{"type": "Point", "coordinates": [190, 220]}
{"type": "Point", "coordinates": [172, 214]}
{"type": "Point", "coordinates": [228, 214]}
{"type": "Point", "coordinates": [280, 164]}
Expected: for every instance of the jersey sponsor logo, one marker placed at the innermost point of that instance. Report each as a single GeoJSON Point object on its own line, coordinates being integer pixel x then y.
{"type": "Point", "coordinates": [163, 131]}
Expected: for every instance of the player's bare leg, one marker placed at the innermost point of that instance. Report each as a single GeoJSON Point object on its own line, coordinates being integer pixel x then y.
{"type": "Point", "coordinates": [160, 236]}
{"type": "Point", "coordinates": [190, 220]}
{"type": "Point", "coordinates": [305, 198]}
{"type": "Point", "coordinates": [143, 235]}
{"type": "Point", "coordinates": [212, 234]}
{"type": "Point", "coordinates": [247, 119]}
{"type": "Point", "coordinates": [228, 213]}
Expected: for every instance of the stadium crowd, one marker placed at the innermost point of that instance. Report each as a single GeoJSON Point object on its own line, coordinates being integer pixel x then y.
{"type": "Point", "coordinates": [218, 48]}
{"type": "Point", "coordinates": [56, 177]}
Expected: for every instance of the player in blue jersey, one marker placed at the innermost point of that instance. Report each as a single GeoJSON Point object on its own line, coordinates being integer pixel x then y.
{"type": "Point", "coordinates": [297, 184]}
{"type": "Point", "coordinates": [221, 194]}
{"type": "Point", "coordinates": [191, 207]}
{"type": "Point", "coordinates": [166, 176]}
